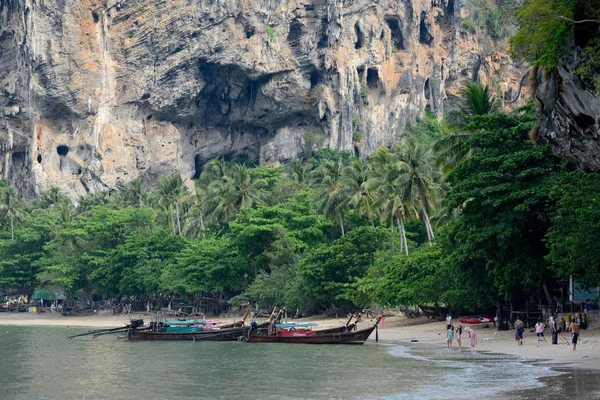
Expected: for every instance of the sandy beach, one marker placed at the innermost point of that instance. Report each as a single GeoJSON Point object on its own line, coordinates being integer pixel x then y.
{"type": "Point", "coordinates": [397, 328]}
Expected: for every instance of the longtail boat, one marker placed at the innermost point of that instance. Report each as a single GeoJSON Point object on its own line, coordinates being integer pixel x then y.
{"type": "Point", "coordinates": [285, 335]}
{"type": "Point", "coordinates": [227, 334]}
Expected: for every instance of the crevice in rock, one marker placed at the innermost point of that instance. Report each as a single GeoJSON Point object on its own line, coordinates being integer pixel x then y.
{"type": "Point", "coordinates": [425, 36]}
{"type": "Point", "coordinates": [427, 89]}
{"type": "Point", "coordinates": [360, 37]}
{"type": "Point", "coordinates": [198, 166]}
{"type": "Point", "coordinates": [372, 78]}
{"type": "Point", "coordinates": [39, 158]}
{"type": "Point", "coordinates": [394, 24]}
{"type": "Point", "coordinates": [62, 150]}
{"type": "Point", "coordinates": [315, 78]}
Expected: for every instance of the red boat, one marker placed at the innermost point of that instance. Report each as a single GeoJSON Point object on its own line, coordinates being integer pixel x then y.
{"type": "Point", "coordinates": [476, 320]}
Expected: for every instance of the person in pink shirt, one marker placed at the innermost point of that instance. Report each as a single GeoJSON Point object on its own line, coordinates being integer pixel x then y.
{"type": "Point", "coordinates": [472, 336]}
{"type": "Point", "coordinates": [539, 331]}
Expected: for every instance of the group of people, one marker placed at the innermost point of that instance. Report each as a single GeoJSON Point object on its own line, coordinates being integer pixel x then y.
{"type": "Point", "coordinates": [453, 333]}
{"type": "Point", "coordinates": [555, 328]}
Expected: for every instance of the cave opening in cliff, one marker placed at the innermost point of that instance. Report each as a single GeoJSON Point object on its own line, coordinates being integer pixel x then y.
{"type": "Point", "coordinates": [424, 36]}
{"type": "Point", "coordinates": [39, 158]}
{"type": "Point", "coordinates": [249, 31]}
{"type": "Point", "coordinates": [296, 33]}
{"type": "Point", "coordinates": [427, 89]}
{"type": "Point", "coordinates": [360, 37]}
{"type": "Point", "coordinates": [372, 78]}
{"type": "Point", "coordinates": [95, 17]}
{"type": "Point", "coordinates": [451, 7]}
{"type": "Point", "coordinates": [62, 150]}
{"type": "Point", "coordinates": [198, 166]}
{"type": "Point", "coordinates": [315, 78]}
{"type": "Point", "coordinates": [397, 39]}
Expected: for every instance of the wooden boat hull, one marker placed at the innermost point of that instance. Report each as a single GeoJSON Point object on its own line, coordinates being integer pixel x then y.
{"type": "Point", "coordinates": [356, 337]}
{"type": "Point", "coordinates": [228, 334]}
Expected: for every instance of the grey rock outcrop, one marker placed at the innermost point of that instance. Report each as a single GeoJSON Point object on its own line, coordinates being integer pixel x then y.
{"type": "Point", "coordinates": [95, 93]}
{"type": "Point", "coordinates": [570, 115]}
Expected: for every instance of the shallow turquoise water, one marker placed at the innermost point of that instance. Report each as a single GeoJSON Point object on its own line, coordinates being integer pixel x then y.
{"type": "Point", "coordinates": [40, 363]}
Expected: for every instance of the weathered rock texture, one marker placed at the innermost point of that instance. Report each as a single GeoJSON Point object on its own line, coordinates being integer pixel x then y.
{"type": "Point", "coordinates": [98, 92]}
{"type": "Point", "coordinates": [570, 113]}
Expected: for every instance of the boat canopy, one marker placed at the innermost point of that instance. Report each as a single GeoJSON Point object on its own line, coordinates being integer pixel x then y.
{"type": "Point", "coordinates": [186, 322]}
{"type": "Point", "coordinates": [296, 325]}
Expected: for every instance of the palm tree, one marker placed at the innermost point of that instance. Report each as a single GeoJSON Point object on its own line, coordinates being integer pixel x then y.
{"type": "Point", "coordinates": [451, 149]}
{"type": "Point", "coordinates": [356, 191]}
{"type": "Point", "coordinates": [194, 217]}
{"type": "Point", "coordinates": [330, 197]}
{"type": "Point", "coordinates": [171, 192]}
{"type": "Point", "coordinates": [298, 171]}
{"type": "Point", "coordinates": [51, 197]}
{"type": "Point", "coordinates": [229, 189]}
{"type": "Point", "coordinates": [135, 194]}
{"type": "Point", "coordinates": [65, 210]}
{"type": "Point", "coordinates": [421, 179]}
{"type": "Point", "coordinates": [11, 209]}
{"type": "Point", "coordinates": [389, 181]}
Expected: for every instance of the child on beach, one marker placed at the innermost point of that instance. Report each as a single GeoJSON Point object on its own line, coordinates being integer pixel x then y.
{"type": "Point", "coordinates": [450, 336]}
{"type": "Point", "coordinates": [458, 333]}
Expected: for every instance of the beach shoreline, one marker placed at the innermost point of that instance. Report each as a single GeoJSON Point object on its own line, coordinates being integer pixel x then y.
{"type": "Point", "coordinates": [396, 329]}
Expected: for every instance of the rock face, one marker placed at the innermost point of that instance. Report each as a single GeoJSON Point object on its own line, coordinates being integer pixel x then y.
{"type": "Point", "coordinates": [95, 93]}
{"type": "Point", "coordinates": [570, 114]}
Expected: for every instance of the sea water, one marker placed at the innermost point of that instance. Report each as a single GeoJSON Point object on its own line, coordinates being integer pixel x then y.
{"type": "Point", "coordinates": [41, 363]}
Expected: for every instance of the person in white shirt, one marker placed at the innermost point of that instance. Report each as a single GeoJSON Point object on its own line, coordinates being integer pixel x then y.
{"type": "Point", "coordinates": [448, 321]}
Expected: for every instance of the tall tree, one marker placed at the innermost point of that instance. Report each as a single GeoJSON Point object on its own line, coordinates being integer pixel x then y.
{"type": "Point", "coordinates": [171, 194]}
{"type": "Point", "coordinates": [357, 192]}
{"type": "Point", "coordinates": [330, 197]}
{"type": "Point", "coordinates": [475, 99]}
{"type": "Point", "coordinates": [11, 209]}
{"type": "Point", "coordinates": [421, 179]}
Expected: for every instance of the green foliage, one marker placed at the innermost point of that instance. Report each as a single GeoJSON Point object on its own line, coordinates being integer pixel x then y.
{"type": "Point", "coordinates": [209, 265]}
{"type": "Point", "coordinates": [574, 238]}
{"type": "Point", "coordinates": [396, 279]}
{"type": "Point", "coordinates": [542, 36]}
{"type": "Point", "coordinates": [469, 26]}
{"type": "Point", "coordinates": [590, 70]}
{"type": "Point", "coordinates": [364, 92]}
{"type": "Point", "coordinates": [270, 32]}
{"type": "Point", "coordinates": [356, 137]}
{"type": "Point", "coordinates": [504, 191]}
{"type": "Point", "coordinates": [19, 258]}
{"type": "Point", "coordinates": [329, 271]}
{"type": "Point", "coordinates": [426, 130]}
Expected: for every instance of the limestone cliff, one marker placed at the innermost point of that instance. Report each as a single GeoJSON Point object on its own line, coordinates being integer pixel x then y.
{"type": "Point", "coordinates": [95, 93]}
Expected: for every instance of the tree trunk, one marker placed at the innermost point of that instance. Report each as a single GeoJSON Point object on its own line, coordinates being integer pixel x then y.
{"type": "Point", "coordinates": [170, 216]}
{"type": "Point", "coordinates": [342, 224]}
{"type": "Point", "coordinates": [202, 226]}
{"type": "Point", "coordinates": [400, 235]}
{"type": "Point", "coordinates": [404, 234]}
{"type": "Point", "coordinates": [392, 234]}
{"type": "Point", "coordinates": [547, 293]}
{"type": "Point", "coordinates": [12, 229]}
{"type": "Point", "coordinates": [430, 235]}
{"type": "Point", "coordinates": [178, 222]}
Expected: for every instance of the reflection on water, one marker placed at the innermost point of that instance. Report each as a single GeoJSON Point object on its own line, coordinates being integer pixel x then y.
{"type": "Point", "coordinates": [40, 363]}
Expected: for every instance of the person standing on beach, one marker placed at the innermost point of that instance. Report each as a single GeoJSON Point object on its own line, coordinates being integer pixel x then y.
{"type": "Point", "coordinates": [519, 331]}
{"type": "Point", "coordinates": [448, 321]}
{"type": "Point", "coordinates": [539, 331]}
{"type": "Point", "coordinates": [472, 336]}
{"type": "Point", "coordinates": [554, 329]}
{"type": "Point", "coordinates": [450, 334]}
{"type": "Point", "coordinates": [574, 328]}
{"type": "Point", "coordinates": [458, 333]}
